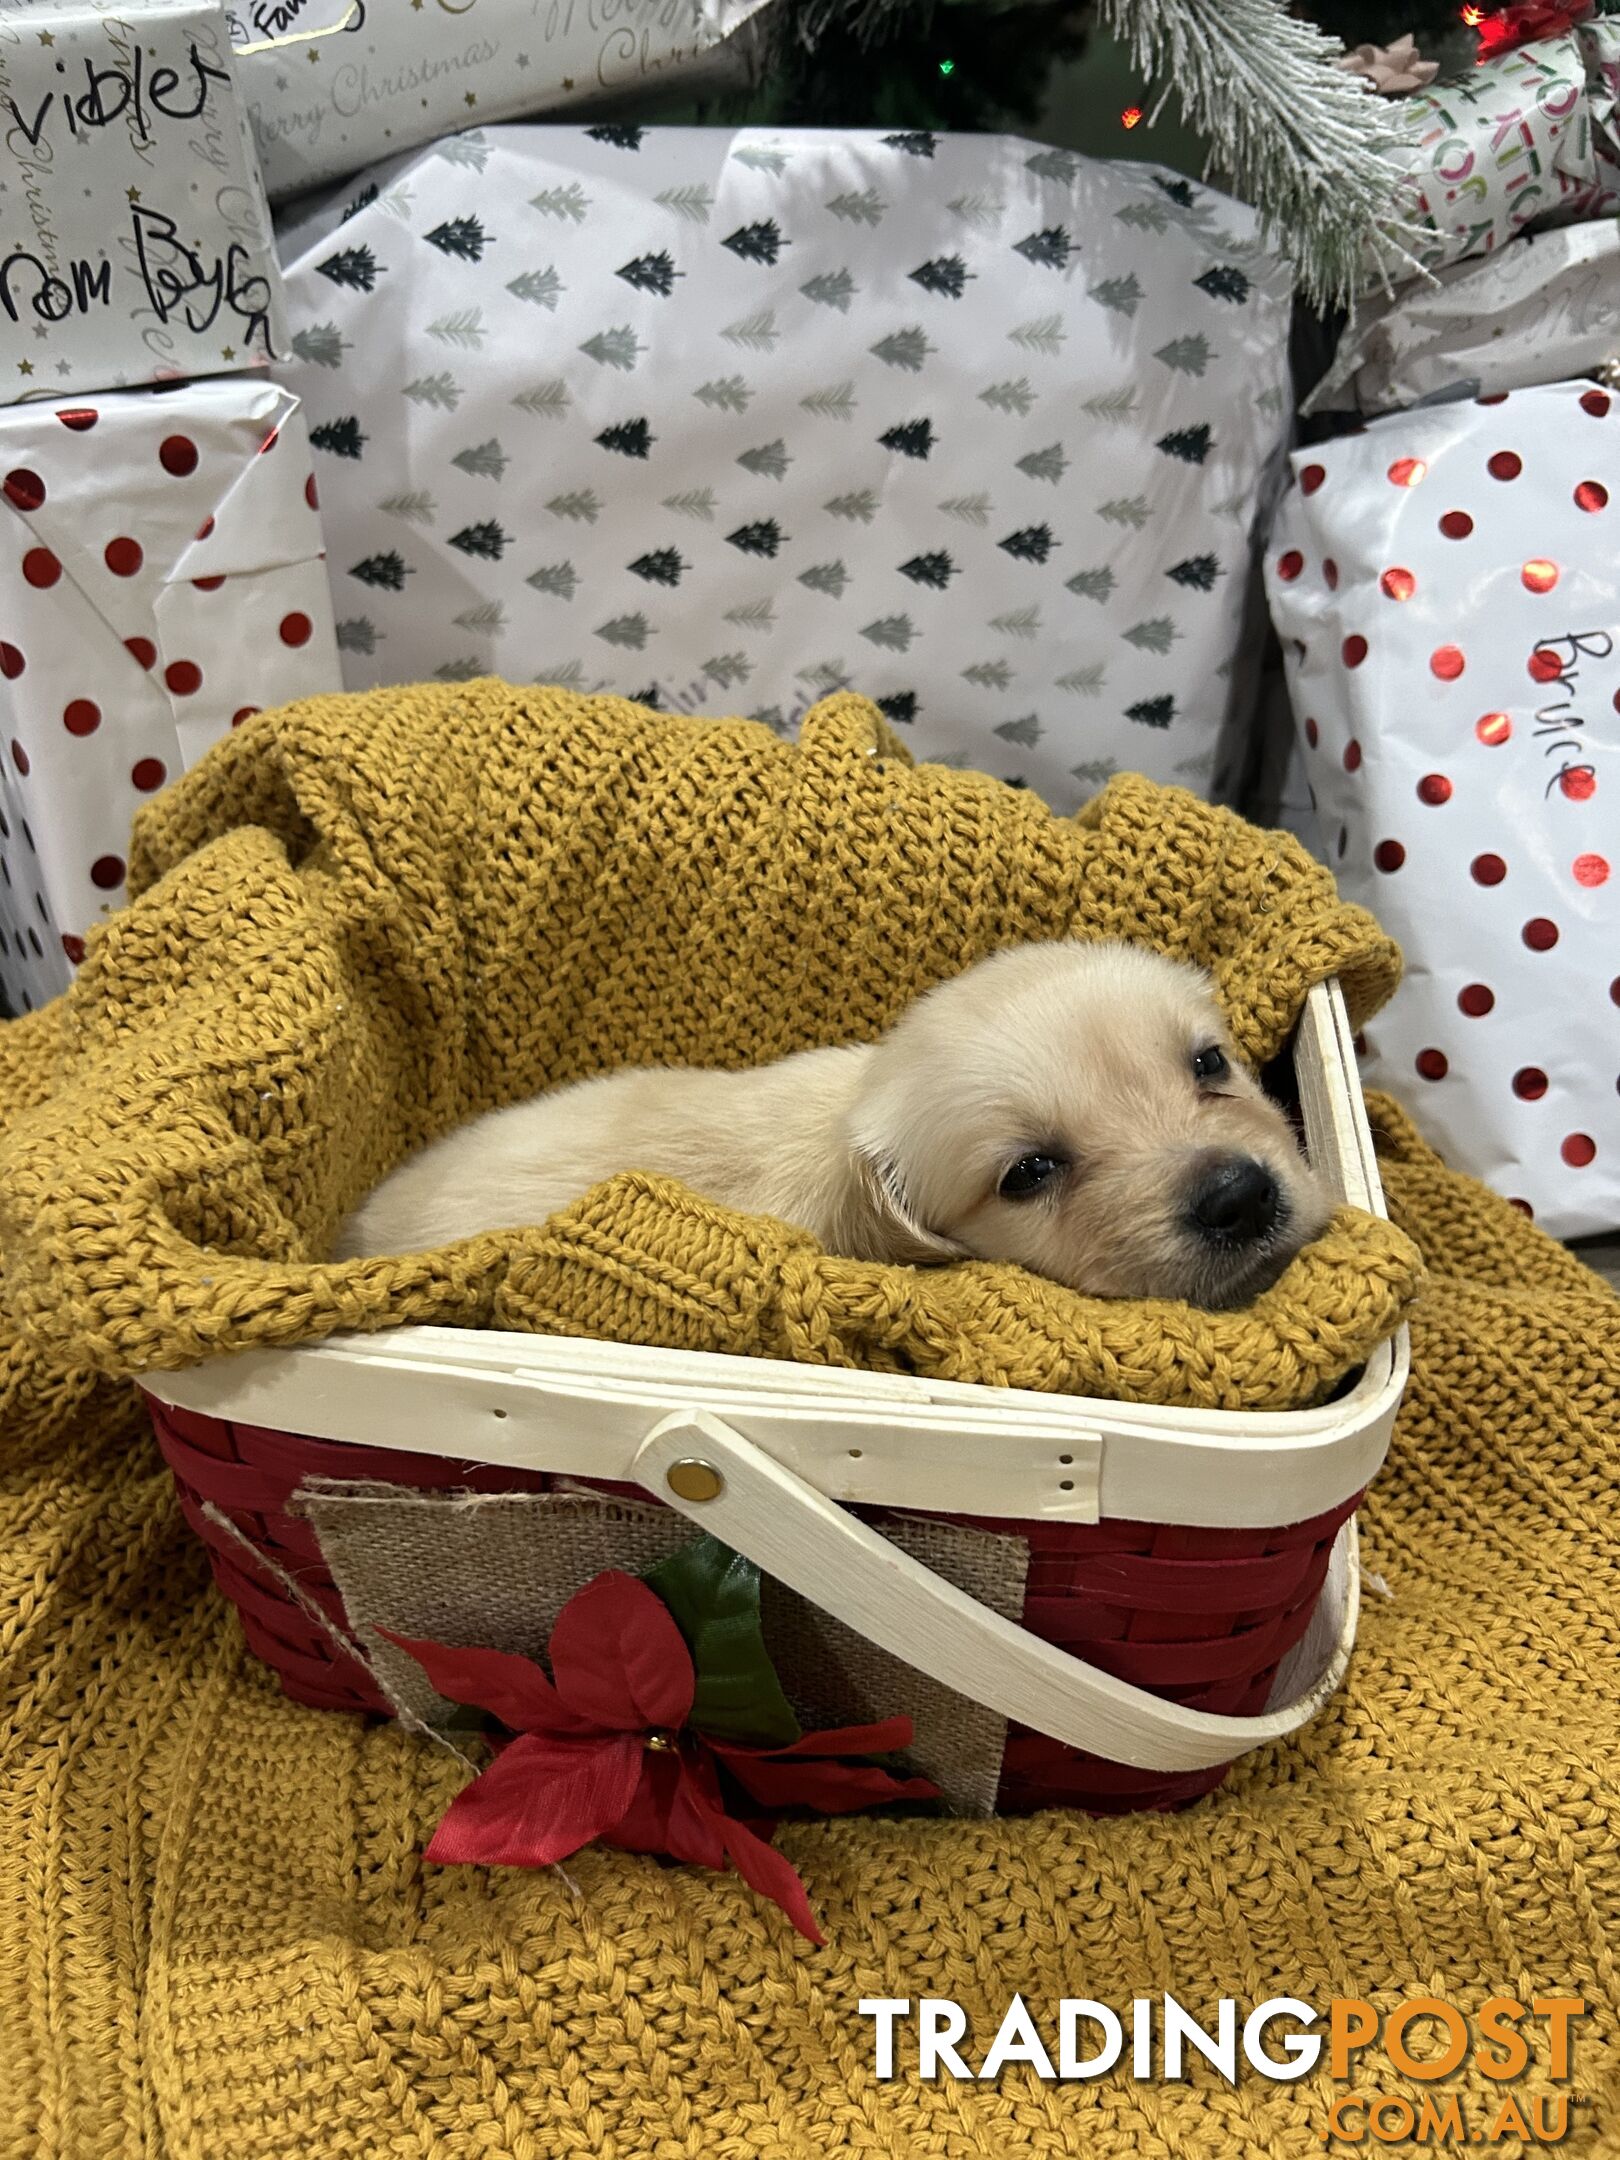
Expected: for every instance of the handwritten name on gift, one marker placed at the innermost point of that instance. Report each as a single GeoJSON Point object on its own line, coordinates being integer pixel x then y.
{"type": "Point", "coordinates": [127, 89]}
{"type": "Point", "coordinates": [135, 239]}
{"type": "Point", "coordinates": [263, 21]}
{"type": "Point", "coordinates": [179, 280]}
{"type": "Point", "coordinates": [1560, 726]}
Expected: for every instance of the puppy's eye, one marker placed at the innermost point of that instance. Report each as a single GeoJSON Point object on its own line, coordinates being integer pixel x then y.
{"type": "Point", "coordinates": [1028, 1174]}
{"type": "Point", "coordinates": [1210, 1064]}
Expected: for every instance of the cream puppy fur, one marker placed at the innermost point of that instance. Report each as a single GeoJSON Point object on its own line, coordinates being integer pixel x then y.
{"type": "Point", "coordinates": [1077, 1108]}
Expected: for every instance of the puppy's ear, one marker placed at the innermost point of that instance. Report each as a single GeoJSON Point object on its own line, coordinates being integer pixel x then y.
{"type": "Point", "coordinates": [890, 1225]}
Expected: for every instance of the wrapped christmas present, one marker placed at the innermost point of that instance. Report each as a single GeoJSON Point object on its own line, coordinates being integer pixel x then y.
{"type": "Point", "coordinates": [1527, 138]}
{"type": "Point", "coordinates": [333, 85]}
{"type": "Point", "coordinates": [1544, 308]}
{"type": "Point", "coordinates": [975, 428]}
{"type": "Point", "coordinates": [136, 237]}
{"type": "Point", "coordinates": [161, 581]}
{"type": "Point", "coordinates": [1446, 591]}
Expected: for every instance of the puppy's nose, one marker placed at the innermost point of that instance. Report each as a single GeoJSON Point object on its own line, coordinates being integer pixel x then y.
{"type": "Point", "coordinates": [1235, 1201]}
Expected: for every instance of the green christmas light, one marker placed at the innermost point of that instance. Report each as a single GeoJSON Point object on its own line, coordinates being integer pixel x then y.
{"type": "Point", "coordinates": [947, 67]}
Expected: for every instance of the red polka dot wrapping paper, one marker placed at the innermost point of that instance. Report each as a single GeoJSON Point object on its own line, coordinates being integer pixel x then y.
{"type": "Point", "coordinates": [161, 579]}
{"type": "Point", "coordinates": [1446, 586]}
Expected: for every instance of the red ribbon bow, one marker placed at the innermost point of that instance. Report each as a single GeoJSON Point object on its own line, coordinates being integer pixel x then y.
{"type": "Point", "coordinates": [1526, 21]}
{"type": "Point", "coordinates": [602, 1750]}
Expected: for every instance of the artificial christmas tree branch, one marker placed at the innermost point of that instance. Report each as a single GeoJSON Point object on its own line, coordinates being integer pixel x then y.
{"type": "Point", "coordinates": [1302, 140]}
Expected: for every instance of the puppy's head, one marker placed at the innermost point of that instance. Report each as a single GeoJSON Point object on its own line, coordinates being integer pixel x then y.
{"type": "Point", "coordinates": [1079, 1109]}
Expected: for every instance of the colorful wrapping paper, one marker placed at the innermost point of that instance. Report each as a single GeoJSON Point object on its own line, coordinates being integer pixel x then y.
{"type": "Point", "coordinates": [161, 579]}
{"type": "Point", "coordinates": [1446, 588]}
{"type": "Point", "coordinates": [714, 419]}
{"type": "Point", "coordinates": [332, 86]}
{"type": "Point", "coordinates": [1526, 139]}
{"type": "Point", "coordinates": [134, 236]}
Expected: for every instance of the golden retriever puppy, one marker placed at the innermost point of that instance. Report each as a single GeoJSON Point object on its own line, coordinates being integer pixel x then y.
{"type": "Point", "coordinates": [1076, 1108]}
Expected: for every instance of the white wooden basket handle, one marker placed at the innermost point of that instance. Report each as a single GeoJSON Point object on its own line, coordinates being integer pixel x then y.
{"type": "Point", "coordinates": [792, 1531]}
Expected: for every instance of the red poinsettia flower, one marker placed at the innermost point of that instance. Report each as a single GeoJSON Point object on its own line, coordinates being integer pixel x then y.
{"type": "Point", "coordinates": [1524, 22]}
{"type": "Point", "coordinates": [603, 1750]}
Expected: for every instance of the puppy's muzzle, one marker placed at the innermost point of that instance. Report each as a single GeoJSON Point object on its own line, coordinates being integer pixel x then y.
{"type": "Point", "coordinates": [1234, 1202]}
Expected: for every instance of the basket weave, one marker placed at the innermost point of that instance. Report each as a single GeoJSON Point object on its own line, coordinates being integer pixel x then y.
{"type": "Point", "coordinates": [1202, 1616]}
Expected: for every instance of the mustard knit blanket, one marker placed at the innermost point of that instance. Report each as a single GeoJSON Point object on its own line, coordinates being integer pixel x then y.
{"type": "Point", "coordinates": [216, 1930]}
{"type": "Point", "coordinates": [365, 919]}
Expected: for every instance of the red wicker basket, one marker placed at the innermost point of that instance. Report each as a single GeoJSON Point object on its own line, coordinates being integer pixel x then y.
{"type": "Point", "coordinates": [1201, 1616]}
{"type": "Point", "coordinates": [1171, 1620]}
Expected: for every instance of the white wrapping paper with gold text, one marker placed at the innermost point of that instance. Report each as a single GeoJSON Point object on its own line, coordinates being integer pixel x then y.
{"type": "Point", "coordinates": [160, 579]}
{"type": "Point", "coordinates": [1446, 586]}
{"type": "Point", "coordinates": [381, 76]}
{"type": "Point", "coordinates": [1544, 307]}
{"type": "Point", "coordinates": [1526, 139]}
{"type": "Point", "coordinates": [134, 235]}
{"type": "Point", "coordinates": [726, 420]}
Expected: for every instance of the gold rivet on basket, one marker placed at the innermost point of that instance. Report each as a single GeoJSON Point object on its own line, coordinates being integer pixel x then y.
{"type": "Point", "coordinates": [693, 1479]}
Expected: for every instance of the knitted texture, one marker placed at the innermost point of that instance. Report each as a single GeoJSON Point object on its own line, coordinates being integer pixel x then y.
{"type": "Point", "coordinates": [219, 1937]}
{"type": "Point", "coordinates": [364, 919]}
